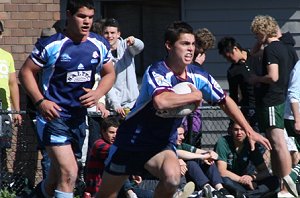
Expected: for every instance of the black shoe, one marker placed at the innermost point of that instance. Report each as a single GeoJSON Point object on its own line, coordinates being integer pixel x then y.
{"type": "Point", "coordinates": [217, 194]}
{"type": "Point", "coordinates": [225, 192]}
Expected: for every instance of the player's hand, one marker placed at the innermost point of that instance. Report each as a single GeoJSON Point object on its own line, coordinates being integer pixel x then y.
{"type": "Point", "coordinates": [183, 167]}
{"type": "Point", "coordinates": [120, 111]}
{"type": "Point", "coordinates": [17, 119]}
{"type": "Point", "coordinates": [89, 99]}
{"type": "Point", "coordinates": [130, 40]}
{"type": "Point", "coordinates": [247, 180]}
{"type": "Point", "coordinates": [256, 137]}
{"type": "Point", "coordinates": [297, 127]}
{"type": "Point", "coordinates": [197, 93]}
{"type": "Point", "coordinates": [101, 108]}
{"type": "Point", "coordinates": [49, 110]}
{"type": "Point", "coordinates": [200, 58]}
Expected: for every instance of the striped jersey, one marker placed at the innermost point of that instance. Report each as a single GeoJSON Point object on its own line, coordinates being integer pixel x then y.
{"type": "Point", "coordinates": [67, 67]}
{"type": "Point", "coordinates": [143, 129]}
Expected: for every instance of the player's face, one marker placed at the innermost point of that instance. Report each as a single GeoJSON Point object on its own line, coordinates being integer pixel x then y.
{"type": "Point", "coordinates": [233, 56]}
{"type": "Point", "coordinates": [238, 133]}
{"type": "Point", "coordinates": [180, 135]}
{"type": "Point", "coordinates": [110, 134]}
{"type": "Point", "coordinates": [183, 49]}
{"type": "Point", "coordinates": [80, 23]}
{"type": "Point", "coordinates": [112, 35]}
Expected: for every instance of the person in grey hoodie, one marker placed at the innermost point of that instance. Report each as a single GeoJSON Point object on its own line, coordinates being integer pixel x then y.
{"type": "Point", "coordinates": [124, 92]}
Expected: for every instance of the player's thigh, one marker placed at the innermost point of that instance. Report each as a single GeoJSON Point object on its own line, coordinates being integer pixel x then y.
{"type": "Point", "coordinates": [164, 164]}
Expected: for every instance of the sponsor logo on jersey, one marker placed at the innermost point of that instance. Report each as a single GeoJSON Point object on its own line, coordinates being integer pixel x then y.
{"type": "Point", "coordinates": [79, 76]}
{"type": "Point", "coordinates": [159, 79]}
{"type": "Point", "coordinates": [95, 54]}
{"type": "Point", "coordinates": [93, 61]}
{"type": "Point", "coordinates": [65, 58]}
{"type": "Point", "coordinates": [80, 66]}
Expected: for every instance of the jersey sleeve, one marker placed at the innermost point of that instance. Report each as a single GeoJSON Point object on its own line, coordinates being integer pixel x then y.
{"type": "Point", "coordinates": [221, 149]}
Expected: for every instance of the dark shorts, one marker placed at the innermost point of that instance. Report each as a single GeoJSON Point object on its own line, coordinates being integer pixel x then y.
{"type": "Point", "coordinates": [123, 162]}
{"type": "Point", "coordinates": [63, 132]}
{"type": "Point", "coordinates": [290, 129]}
{"type": "Point", "coordinates": [268, 117]}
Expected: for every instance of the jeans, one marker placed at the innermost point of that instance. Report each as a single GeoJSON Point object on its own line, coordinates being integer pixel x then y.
{"type": "Point", "coordinates": [201, 173]}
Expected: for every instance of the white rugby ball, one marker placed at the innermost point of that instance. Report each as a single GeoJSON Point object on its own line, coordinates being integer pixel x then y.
{"type": "Point", "coordinates": [179, 112]}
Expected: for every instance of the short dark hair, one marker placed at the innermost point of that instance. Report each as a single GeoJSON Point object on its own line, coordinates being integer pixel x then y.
{"type": "Point", "coordinates": [176, 28]}
{"type": "Point", "coordinates": [74, 5]}
{"type": "Point", "coordinates": [109, 122]}
{"type": "Point", "coordinates": [111, 22]}
{"type": "Point", "coordinates": [97, 26]}
{"type": "Point", "coordinates": [226, 44]}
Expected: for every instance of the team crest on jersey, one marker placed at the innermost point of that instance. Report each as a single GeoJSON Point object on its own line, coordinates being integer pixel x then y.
{"type": "Point", "coordinates": [95, 54]}
{"type": "Point", "coordinates": [79, 76]}
{"type": "Point", "coordinates": [160, 80]}
{"type": "Point", "coordinates": [65, 58]}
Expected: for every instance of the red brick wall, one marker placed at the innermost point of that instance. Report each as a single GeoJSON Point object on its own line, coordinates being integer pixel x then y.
{"type": "Point", "coordinates": [23, 22]}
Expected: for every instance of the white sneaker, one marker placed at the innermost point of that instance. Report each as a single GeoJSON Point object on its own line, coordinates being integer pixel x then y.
{"type": "Point", "coordinates": [284, 194]}
{"type": "Point", "coordinates": [187, 190]}
{"type": "Point", "coordinates": [208, 191]}
{"type": "Point", "coordinates": [290, 185]}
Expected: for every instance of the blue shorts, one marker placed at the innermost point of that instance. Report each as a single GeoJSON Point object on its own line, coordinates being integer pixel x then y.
{"type": "Point", "coordinates": [123, 162]}
{"type": "Point", "coordinates": [62, 132]}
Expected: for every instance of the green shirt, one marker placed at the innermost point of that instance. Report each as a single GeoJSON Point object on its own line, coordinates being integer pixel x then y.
{"type": "Point", "coordinates": [237, 162]}
{"type": "Point", "coordinates": [187, 147]}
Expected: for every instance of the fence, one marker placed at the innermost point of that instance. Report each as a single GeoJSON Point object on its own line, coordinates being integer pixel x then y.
{"type": "Point", "coordinates": [20, 158]}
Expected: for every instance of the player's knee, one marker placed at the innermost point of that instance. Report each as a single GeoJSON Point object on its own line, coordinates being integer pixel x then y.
{"type": "Point", "coordinates": [172, 180]}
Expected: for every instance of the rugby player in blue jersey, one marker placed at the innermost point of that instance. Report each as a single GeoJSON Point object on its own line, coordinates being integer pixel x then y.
{"type": "Point", "coordinates": [68, 62]}
{"type": "Point", "coordinates": [145, 141]}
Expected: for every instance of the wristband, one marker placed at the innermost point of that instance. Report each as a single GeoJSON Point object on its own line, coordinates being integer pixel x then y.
{"type": "Point", "coordinates": [39, 102]}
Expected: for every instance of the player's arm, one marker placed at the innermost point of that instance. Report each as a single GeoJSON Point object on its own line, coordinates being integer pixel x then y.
{"type": "Point", "coordinates": [270, 78]}
{"type": "Point", "coordinates": [92, 97]}
{"type": "Point", "coordinates": [15, 97]}
{"type": "Point", "coordinates": [168, 99]}
{"type": "Point", "coordinates": [27, 76]}
{"type": "Point", "coordinates": [222, 167]}
{"type": "Point", "coordinates": [186, 155]}
{"type": "Point", "coordinates": [233, 111]}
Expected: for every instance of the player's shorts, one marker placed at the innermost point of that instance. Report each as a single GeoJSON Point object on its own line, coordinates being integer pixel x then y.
{"type": "Point", "coordinates": [289, 126]}
{"type": "Point", "coordinates": [270, 117]}
{"type": "Point", "coordinates": [62, 132]}
{"type": "Point", "coordinates": [123, 162]}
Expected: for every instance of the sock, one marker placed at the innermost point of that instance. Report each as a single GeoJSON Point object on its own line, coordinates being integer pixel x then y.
{"type": "Point", "coordinates": [295, 172]}
{"type": "Point", "coordinates": [60, 194]}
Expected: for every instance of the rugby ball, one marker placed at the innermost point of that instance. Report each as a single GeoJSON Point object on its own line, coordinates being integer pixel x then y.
{"type": "Point", "coordinates": [179, 112]}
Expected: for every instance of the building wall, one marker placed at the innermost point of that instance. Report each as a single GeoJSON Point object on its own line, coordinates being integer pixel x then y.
{"type": "Point", "coordinates": [23, 22]}
{"type": "Point", "coordinates": [233, 18]}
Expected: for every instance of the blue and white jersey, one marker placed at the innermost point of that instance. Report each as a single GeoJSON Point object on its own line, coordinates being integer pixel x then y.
{"type": "Point", "coordinates": [67, 67]}
{"type": "Point", "coordinates": [143, 129]}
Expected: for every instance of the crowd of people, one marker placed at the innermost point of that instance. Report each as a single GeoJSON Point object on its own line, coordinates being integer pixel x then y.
{"type": "Point", "coordinates": [87, 68]}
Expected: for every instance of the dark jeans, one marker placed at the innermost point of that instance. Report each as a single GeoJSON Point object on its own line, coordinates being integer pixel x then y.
{"type": "Point", "coordinates": [201, 174]}
{"type": "Point", "coordinates": [267, 186]}
{"type": "Point", "coordinates": [144, 193]}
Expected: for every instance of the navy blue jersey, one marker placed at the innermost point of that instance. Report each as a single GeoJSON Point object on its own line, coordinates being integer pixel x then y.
{"type": "Point", "coordinates": [143, 129]}
{"type": "Point", "coordinates": [67, 67]}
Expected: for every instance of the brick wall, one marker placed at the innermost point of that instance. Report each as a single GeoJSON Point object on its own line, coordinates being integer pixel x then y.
{"type": "Point", "coordinates": [23, 21]}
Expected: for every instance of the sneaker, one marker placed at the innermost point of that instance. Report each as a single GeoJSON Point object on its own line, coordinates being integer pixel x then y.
{"type": "Point", "coordinates": [285, 195]}
{"type": "Point", "coordinates": [225, 192]}
{"type": "Point", "coordinates": [217, 194]}
{"type": "Point", "coordinates": [208, 191]}
{"type": "Point", "coordinates": [290, 185]}
{"type": "Point", "coordinates": [187, 190]}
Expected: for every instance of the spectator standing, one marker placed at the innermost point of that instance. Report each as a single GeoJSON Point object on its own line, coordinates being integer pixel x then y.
{"type": "Point", "coordinates": [125, 91]}
{"type": "Point", "coordinates": [271, 95]}
{"type": "Point", "coordinates": [148, 140]}
{"type": "Point", "coordinates": [234, 160]}
{"type": "Point", "coordinates": [238, 74]}
{"type": "Point", "coordinates": [68, 62]}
